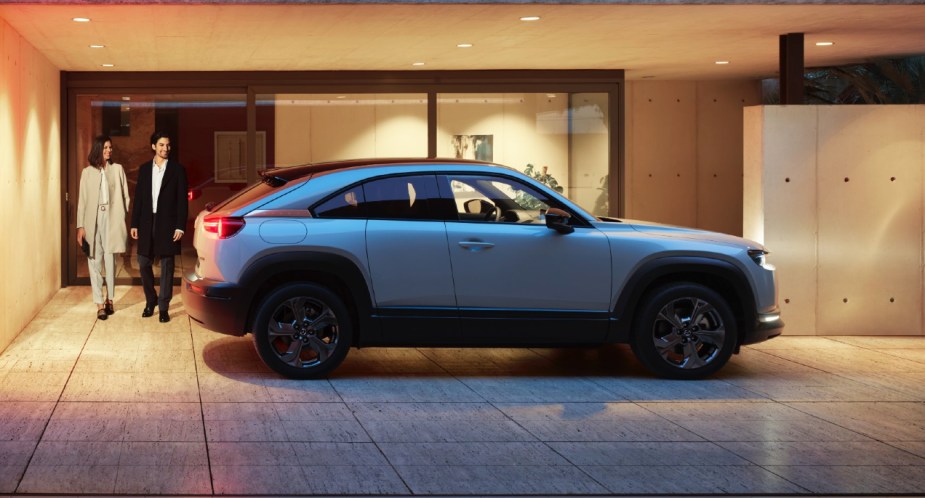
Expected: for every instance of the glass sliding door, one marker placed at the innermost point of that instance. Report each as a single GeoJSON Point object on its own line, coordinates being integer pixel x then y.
{"type": "Point", "coordinates": [561, 139]}
{"type": "Point", "coordinates": [208, 137]}
{"type": "Point", "coordinates": [312, 128]}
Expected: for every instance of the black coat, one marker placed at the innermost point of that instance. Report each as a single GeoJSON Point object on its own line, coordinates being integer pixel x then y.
{"type": "Point", "coordinates": [171, 210]}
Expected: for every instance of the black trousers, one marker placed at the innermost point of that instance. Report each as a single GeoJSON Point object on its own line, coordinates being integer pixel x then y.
{"type": "Point", "coordinates": [147, 281]}
{"type": "Point", "coordinates": [147, 276]}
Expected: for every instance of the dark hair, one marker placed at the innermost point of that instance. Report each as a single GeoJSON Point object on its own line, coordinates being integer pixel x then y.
{"type": "Point", "coordinates": [96, 151]}
{"type": "Point", "coordinates": [157, 135]}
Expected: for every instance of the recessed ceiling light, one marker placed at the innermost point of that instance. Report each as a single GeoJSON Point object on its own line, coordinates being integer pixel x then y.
{"type": "Point", "coordinates": [721, 63]}
{"type": "Point", "coordinates": [530, 18]}
{"type": "Point", "coordinates": [108, 65]}
{"type": "Point", "coordinates": [341, 96]}
{"type": "Point", "coordinates": [81, 19]}
{"type": "Point", "coordinates": [464, 45]}
{"type": "Point", "coordinates": [97, 46]}
{"type": "Point", "coordinates": [417, 63]}
{"type": "Point", "coordinates": [551, 95]}
{"type": "Point", "coordinates": [825, 44]}
{"type": "Point", "coordinates": [126, 98]}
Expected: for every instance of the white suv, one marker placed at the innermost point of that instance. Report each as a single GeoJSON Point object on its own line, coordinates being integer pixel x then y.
{"type": "Point", "coordinates": [408, 252]}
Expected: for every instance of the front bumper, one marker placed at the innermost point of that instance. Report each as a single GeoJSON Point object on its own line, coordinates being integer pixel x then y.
{"type": "Point", "coordinates": [766, 326]}
{"type": "Point", "coordinates": [218, 306]}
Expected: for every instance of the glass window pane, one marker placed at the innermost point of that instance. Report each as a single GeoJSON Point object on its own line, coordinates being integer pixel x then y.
{"type": "Point", "coordinates": [314, 128]}
{"type": "Point", "coordinates": [403, 198]}
{"type": "Point", "coordinates": [347, 204]}
{"type": "Point", "coordinates": [560, 139]}
{"type": "Point", "coordinates": [494, 199]}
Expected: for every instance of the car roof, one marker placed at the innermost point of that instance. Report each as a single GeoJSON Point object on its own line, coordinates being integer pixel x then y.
{"type": "Point", "coordinates": [294, 172]}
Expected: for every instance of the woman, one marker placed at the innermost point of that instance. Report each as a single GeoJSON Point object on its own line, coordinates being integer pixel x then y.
{"type": "Point", "coordinates": [102, 203]}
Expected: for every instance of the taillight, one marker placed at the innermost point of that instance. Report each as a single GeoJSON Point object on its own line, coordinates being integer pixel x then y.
{"type": "Point", "coordinates": [224, 226]}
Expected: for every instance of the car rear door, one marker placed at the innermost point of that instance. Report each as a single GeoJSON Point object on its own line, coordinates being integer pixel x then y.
{"type": "Point", "coordinates": [409, 263]}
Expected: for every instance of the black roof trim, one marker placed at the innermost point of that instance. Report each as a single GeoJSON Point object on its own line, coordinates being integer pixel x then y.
{"type": "Point", "coordinates": [294, 172]}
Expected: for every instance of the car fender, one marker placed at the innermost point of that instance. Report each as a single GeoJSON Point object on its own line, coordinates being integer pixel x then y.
{"type": "Point", "coordinates": [335, 271]}
{"type": "Point", "coordinates": [723, 276]}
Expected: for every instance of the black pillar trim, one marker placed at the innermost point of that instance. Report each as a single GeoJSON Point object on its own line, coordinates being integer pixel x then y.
{"type": "Point", "coordinates": [791, 68]}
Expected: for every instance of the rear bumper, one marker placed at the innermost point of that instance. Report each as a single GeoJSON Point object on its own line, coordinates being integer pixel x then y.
{"type": "Point", "coordinates": [767, 325]}
{"type": "Point", "coordinates": [217, 305]}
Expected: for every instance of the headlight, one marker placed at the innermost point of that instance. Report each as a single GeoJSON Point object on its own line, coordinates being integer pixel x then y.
{"type": "Point", "coordinates": [759, 257]}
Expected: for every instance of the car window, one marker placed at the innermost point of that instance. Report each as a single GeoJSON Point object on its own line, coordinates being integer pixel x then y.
{"type": "Point", "coordinates": [347, 204]}
{"type": "Point", "coordinates": [403, 198]}
{"type": "Point", "coordinates": [496, 199]}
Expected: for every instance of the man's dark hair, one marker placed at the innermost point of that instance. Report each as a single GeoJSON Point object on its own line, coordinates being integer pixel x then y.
{"type": "Point", "coordinates": [157, 135]}
{"type": "Point", "coordinates": [95, 157]}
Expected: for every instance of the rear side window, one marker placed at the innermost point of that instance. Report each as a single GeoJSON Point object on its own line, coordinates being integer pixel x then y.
{"type": "Point", "coordinates": [347, 204]}
{"type": "Point", "coordinates": [246, 196]}
{"type": "Point", "coordinates": [391, 198]}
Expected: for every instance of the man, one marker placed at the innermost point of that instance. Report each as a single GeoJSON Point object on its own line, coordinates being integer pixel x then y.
{"type": "Point", "coordinates": [158, 220]}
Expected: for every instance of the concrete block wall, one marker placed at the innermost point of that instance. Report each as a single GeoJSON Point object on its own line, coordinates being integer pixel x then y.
{"type": "Point", "coordinates": [684, 151]}
{"type": "Point", "coordinates": [30, 173]}
{"type": "Point", "coordinates": [837, 194]}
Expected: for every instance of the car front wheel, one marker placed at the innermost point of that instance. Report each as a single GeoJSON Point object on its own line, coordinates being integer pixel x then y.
{"type": "Point", "coordinates": [302, 331]}
{"type": "Point", "coordinates": [684, 331]}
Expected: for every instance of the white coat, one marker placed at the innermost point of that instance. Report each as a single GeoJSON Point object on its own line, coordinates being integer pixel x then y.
{"type": "Point", "coordinates": [88, 202]}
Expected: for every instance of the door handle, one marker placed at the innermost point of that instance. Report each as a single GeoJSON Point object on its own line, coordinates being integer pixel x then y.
{"type": "Point", "coordinates": [475, 245]}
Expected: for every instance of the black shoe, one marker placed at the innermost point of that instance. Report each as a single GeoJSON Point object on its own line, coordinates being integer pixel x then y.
{"type": "Point", "coordinates": [148, 311]}
{"type": "Point", "coordinates": [101, 314]}
{"type": "Point", "coordinates": [108, 307]}
{"type": "Point", "coordinates": [164, 316]}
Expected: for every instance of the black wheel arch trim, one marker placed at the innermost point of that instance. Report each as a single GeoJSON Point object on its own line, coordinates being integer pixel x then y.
{"type": "Point", "coordinates": [722, 276]}
{"type": "Point", "coordinates": [335, 271]}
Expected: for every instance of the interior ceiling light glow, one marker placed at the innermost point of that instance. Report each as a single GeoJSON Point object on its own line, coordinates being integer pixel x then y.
{"type": "Point", "coordinates": [824, 44]}
{"type": "Point", "coordinates": [464, 45]}
{"type": "Point", "coordinates": [417, 63]}
{"type": "Point", "coordinates": [721, 63]}
{"type": "Point", "coordinates": [97, 46]}
{"type": "Point", "coordinates": [80, 19]}
{"type": "Point", "coordinates": [108, 65]}
{"type": "Point", "coordinates": [530, 18]}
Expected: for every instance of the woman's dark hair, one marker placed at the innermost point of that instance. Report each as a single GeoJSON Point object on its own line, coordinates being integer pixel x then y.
{"type": "Point", "coordinates": [96, 151]}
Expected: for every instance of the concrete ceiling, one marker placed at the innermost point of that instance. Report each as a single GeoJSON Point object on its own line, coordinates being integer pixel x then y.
{"type": "Point", "coordinates": [661, 41]}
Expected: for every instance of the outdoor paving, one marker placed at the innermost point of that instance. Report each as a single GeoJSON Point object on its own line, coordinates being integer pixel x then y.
{"type": "Point", "coordinates": [131, 406]}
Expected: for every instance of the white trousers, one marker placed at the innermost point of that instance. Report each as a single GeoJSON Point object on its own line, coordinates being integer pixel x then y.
{"type": "Point", "coordinates": [101, 261]}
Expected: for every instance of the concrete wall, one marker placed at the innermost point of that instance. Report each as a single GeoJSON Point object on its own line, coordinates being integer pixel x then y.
{"type": "Point", "coordinates": [837, 195]}
{"type": "Point", "coordinates": [30, 172]}
{"type": "Point", "coordinates": [684, 151]}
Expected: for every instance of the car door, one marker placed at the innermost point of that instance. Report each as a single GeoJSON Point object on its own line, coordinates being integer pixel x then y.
{"type": "Point", "coordinates": [516, 280]}
{"type": "Point", "coordinates": [409, 263]}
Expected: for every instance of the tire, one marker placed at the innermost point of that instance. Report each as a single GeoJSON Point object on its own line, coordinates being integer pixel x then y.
{"type": "Point", "coordinates": [684, 331]}
{"type": "Point", "coordinates": [291, 342]}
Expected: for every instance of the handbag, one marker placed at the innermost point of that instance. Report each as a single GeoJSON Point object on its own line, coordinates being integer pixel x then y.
{"type": "Point", "coordinates": [86, 247]}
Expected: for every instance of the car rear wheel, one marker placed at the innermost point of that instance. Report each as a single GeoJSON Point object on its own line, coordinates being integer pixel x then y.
{"type": "Point", "coordinates": [303, 331]}
{"type": "Point", "coordinates": [684, 331]}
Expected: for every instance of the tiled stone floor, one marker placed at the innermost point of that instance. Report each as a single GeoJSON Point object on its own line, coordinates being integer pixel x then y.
{"type": "Point", "coordinates": [133, 406]}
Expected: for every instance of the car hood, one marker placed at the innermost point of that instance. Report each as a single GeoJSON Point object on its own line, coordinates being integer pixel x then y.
{"type": "Point", "coordinates": [690, 233]}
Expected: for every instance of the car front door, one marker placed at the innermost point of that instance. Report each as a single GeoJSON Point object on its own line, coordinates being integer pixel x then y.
{"type": "Point", "coordinates": [517, 281]}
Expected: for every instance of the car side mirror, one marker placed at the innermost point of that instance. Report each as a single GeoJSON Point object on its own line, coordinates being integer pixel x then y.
{"type": "Point", "coordinates": [557, 220]}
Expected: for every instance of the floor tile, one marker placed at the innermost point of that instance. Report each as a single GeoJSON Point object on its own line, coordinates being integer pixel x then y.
{"type": "Point", "coordinates": [339, 454]}
{"type": "Point", "coordinates": [686, 480]}
{"type": "Point", "coordinates": [232, 387]}
{"type": "Point", "coordinates": [481, 453]}
{"type": "Point", "coordinates": [24, 420]}
{"type": "Point", "coordinates": [882, 421]}
{"type": "Point", "coordinates": [506, 479]}
{"type": "Point", "coordinates": [894, 342]}
{"type": "Point", "coordinates": [281, 479]}
{"type": "Point", "coordinates": [87, 422]}
{"type": "Point", "coordinates": [595, 422]}
{"type": "Point", "coordinates": [905, 385]}
{"type": "Point", "coordinates": [70, 479]}
{"type": "Point", "coordinates": [403, 389]}
{"type": "Point", "coordinates": [855, 479]}
{"type": "Point", "coordinates": [539, 389]}
{"type": "Point", "coordinates": [16, 453]}
{"type": "Point", "coordinates": [821, 453]}
{"type": "Point", "coordinates": [163, 454]}
{"type": "Point", "coordinates": [654, 389]}
{"type": "Point", "coordinates": [437, 422]}
{"type": "Point", "coordinates": [32, 386]}
{"type": "Point", "coordinates": [9, 478]}
{"type": "Point", "coordinates": [169, 480]}
{"type": "Point", "coordinates": [354, 480]}
{"type": "Point", "coordinates": [243, 454]}
{"type": "Point", "coordinates": [658, 454]}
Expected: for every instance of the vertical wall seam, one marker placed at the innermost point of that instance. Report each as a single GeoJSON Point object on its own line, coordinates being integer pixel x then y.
{"type": "Point", "coordinates": [817, 306]}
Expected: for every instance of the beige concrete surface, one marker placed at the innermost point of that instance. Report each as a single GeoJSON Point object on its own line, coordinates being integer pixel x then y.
{"type": "Point", "coordinates": [131, 406]}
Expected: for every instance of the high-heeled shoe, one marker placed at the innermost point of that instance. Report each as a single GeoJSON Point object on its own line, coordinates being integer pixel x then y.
{"type": "Point", "coordinates": [107, 306]}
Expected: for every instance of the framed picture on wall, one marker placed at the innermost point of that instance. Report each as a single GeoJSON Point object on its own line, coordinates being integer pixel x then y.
{"type": "Point", "coordinates": [231, 155]}
{"type": "Point", "coordinates": [478, 147]}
